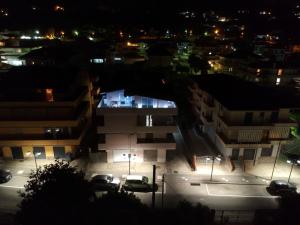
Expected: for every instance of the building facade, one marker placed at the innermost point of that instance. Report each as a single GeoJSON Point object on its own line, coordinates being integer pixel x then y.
{"type": "Point", "coordinates": [135, 128]}
{"type": "Point", "coordinates": [42, 110]}
{"type": "Point", "coordinates": [240, 125]}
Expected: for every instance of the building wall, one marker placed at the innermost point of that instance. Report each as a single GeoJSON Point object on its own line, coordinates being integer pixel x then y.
{"type": "Point", "coordinates": [27, 150]}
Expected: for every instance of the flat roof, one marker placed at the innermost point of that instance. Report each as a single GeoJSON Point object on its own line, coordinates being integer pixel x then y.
{"type": "Point", "coordinates": [119, 99]}
{"type": "Point", "coordinates": [237, 94]}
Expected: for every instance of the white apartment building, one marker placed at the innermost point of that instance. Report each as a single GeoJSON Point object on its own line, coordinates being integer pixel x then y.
{"type": "Point", "coordinates": [245, 121]}
{"type": "Point", "coordinates": [135, 126]}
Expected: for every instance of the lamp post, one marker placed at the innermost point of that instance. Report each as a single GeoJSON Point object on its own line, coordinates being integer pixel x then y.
{"type": "Point", "coordinates": [213, 162]}
{"type": "Point", "coordinates": [277, 154]}
{"type": "Point", "coordinates": [129, 157]}
{"type": "Point", "coordinates": [35, 155]}
{"type": "Point", "coordinates": [293, 162]}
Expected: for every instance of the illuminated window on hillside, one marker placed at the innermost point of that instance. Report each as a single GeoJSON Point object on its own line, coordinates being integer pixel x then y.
{"type": "Point", "coordinates": [49, 95]}
{"type": "Point", "coordinates": [258, 72]}
{"type": "Point", "coordinates": [280, 71]}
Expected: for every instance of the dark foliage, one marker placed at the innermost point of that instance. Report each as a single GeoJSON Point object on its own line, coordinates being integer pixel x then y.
{"type": "Point", "coordinates": [56, 194]}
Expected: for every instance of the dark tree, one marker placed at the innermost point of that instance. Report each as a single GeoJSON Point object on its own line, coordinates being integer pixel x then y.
{"type": "Point", "coordinates": [198, 64]}
{"type": "Point", "coordinates": [56, 194]}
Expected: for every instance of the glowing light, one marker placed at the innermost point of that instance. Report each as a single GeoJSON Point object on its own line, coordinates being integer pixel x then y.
{"type": "Point", "coordinates": [129, 44]}
{"type": "Point", "coordinates": [216, 31]}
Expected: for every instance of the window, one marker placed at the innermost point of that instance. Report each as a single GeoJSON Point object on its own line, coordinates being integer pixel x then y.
{"type": "Point", "coordinates": [278, 81]}
{"type": "Point", "coordinates": [274, 117]}
{"type": "Point", "coordinates": [100, 120]}
{"type": "Point", "coordinates": [279, 72]}
{"type": "Point", "coordinates": [148, 120]}
{"type": "Point", "coordinates": [266, 152]}
{"type": "Point", "coordinates": [248, 118]}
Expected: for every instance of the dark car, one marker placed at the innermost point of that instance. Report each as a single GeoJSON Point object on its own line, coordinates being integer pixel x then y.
{"type": "Point", "coordinates": [105, 183]}
{"type": "Point", "coordinates": [281, 187]}
{"type": "Point", "coordinates": [138, 183]}
{"type": "Point", "coordinates": [5, 175]}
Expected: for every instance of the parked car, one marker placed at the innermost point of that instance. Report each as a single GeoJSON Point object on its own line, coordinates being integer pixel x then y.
{"type": "Point", "coordinates": [280, 187]}
{"type": "Point", "coordinates": [138, 183]}
{"type": "Point", "coordinates": [5, 175]}
{"type": "Point", "coordinates": [105, 183]}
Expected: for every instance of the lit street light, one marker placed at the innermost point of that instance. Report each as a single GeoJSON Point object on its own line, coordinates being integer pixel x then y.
{"type": "Point", "coordinates": [293, 162]}
{"type": "Point", "coordinates": [34, 155]}
{"type": "Point", "coordinates": [213, 162]}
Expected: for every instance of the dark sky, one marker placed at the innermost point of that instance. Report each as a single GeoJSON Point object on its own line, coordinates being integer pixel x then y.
{"type": "Point", "coordinates": [140, 4]}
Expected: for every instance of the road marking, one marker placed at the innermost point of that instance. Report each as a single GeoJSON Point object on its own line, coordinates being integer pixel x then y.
{"type": "Point", "coordinates": [8, 186]}
{"type": "Point", "coordinates": [239, 196]}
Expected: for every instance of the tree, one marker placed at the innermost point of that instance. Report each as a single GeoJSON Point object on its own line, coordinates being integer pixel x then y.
{"type": "Point", "coordinates": [198, 64]}
{"type": "Point", "coordinates": [56, 194]}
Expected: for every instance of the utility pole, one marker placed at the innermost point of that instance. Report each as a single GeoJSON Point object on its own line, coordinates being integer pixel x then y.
{"type": "Point", "coordinates": [153, 186]}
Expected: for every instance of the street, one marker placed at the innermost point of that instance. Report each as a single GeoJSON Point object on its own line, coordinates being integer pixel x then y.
{"type": "Point", "coordinates": [9, 197]}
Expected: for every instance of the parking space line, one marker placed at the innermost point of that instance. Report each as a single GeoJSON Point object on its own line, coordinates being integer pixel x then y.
{"type": "Point", "coordinates": [239, 196]}
{"type": "Point", "coordinates": [8, 186]}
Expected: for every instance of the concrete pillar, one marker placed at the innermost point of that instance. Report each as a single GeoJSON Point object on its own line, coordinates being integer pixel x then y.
{"type": "Point", "coordinates": [161, 155]}
{"type": "Point", "coordinates": [241, 153]}
{"type": "Point", "coordinates": [110, 156]}
{"type": "Point", "coordinates": [274, 150]}
{"type": "Point", "coordinates": [257, 155]}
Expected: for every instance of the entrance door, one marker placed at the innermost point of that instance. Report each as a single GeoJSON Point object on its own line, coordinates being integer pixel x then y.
{"type": "Point", "coordinates": [235, 154]}
{"type": "Point", "coordinates": [59, 152]}
{"type": "Point", "coordinates": [17, 153]}
{"type": "Point", "coordinates": [39, 152]}
{"type": "Point", "coordinates": [249, 154]}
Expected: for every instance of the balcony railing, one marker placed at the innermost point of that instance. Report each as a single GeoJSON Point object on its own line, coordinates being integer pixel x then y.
{"type": "Point", "coordinates": [39, 136]}
{"type": "Point", "coordinates": [254, 123]}
{"type": "Point", "coordinates": [155, 140]}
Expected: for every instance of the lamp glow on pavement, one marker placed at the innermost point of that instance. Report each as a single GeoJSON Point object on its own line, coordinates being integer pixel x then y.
{"type": "Point", "coordinates": [20, 172]}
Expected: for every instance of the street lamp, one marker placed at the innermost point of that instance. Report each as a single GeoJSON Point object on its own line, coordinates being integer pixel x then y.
{"type": "Point", "coordinates": [34, 155]}
{"type": "Point", "coordinates": [213, 162]}
{"type": "Point", "coordinates": [293, 162]}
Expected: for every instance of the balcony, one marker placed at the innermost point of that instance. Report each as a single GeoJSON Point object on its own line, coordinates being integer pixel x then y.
{"type": "Point", "coordinates": [155, 140]}
{"type": "Point", "coordinates": [75, 135]}
{"type": "Point", "coordinates": [235, 142]}
{"type": "Point", "coordinates": [265, 123]}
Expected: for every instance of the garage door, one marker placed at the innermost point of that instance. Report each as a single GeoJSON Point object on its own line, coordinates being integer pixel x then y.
{"type": "Point", "coordinates": [17, 153]}
{"type": "Point", "coordinates": [59, 153]}
{"type": "Point", "coordinates": [150, 155]}
{"type": "Point", "coordinates": [39, 152]}
{"type": "Point", "coordinates": [249, 154]}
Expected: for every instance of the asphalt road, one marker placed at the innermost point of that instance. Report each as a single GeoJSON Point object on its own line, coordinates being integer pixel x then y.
{"type": "Point", "coordinates": [220, 196]}
{"type": "Point", "coordinates": [9, 197]}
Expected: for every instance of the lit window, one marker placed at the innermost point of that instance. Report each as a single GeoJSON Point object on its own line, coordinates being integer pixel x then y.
{"type": "Point", "coordinates": [278, 81]}
{"type": "Point", "coordinates": [148, 120]}
{"type": "Point", "coordinates": [49, 95]}
{"type": "Point", "coordinates": [258, 72]}
{"type": "Point", "coordinates": [279, 72]}
{"type": "Point", "coordinates": [97, 60]}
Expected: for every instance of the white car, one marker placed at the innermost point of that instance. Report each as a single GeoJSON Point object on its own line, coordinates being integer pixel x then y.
{"type": "Point", "coordinates": [138, 183]}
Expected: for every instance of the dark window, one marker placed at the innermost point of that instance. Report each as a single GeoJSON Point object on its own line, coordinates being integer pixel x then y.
{"type": "Point", "coordinates": [266, 152]}
{"type": "Point", "coordinates": [150, 155]}
{"type": "Point", "coordinates": [17, 153]}
{"type": "Point", "coordinates": [248, 118]}
{"type": "Point", "coordinates": [100, 120]}
{"type": "Point", "coordinates": [235, 153]}
{"type": "Point", "coordinates": [149, 135]}
{"type": "Point", "coordinates": [101, 138]}
{"type": "Point", "coordinates": [249, 154]}
{"type": "Point", "coordinates": [39, 152]}
{"type": "Point", "coordinates": [274, 117]}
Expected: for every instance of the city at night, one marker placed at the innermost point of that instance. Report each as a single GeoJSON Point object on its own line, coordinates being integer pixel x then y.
{"type": "Point", "coordinates": [149, 112]}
